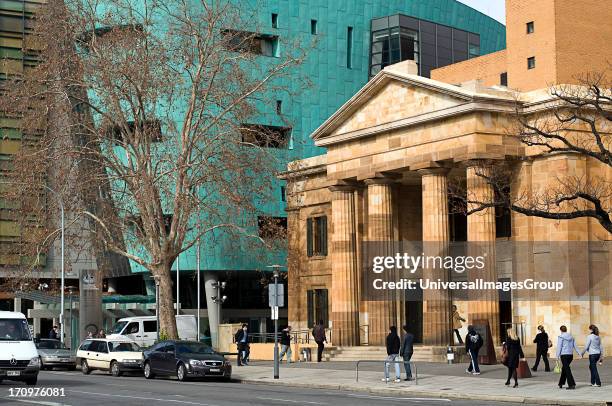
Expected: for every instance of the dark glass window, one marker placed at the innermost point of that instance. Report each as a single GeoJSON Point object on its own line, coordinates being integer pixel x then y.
{"type": "Point", "coordinates": [251, 42]}
{"type": "Point", "coordinates": [316, 236]}
{"type": "Point", "coordinates": [267, 136]}
{"type": "Point", "coordinates": [503, 218]}
{"type": "Point", "coordinates": [274, 20]}
{"type": "Point", "coordinates": [314, 29]}
{"type": "Point", "coordinates": [531, 62]}
{"type": "Point", "coordinates": [317, 305]}
{"type": "Point", "coordinates": [150, 326]}
{"type": "Point", "coordinates": [530, 27]}
{"type": "Point", "coordinates": [503, 79]}
{"type": "Point", "coordinates": [149, 129]}
{"type": "Point", "coordinates": [349, 47]}
{"type": "Point", "coordinates": [283, 191]}
{"type": "Point", "coordinates": [279, 107]}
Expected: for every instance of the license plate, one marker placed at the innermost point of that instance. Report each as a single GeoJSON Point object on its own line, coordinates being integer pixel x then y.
{"type": "Point", "coordinates": [13, 373]}
{"type": "Point", "coordinates": [215, 370]}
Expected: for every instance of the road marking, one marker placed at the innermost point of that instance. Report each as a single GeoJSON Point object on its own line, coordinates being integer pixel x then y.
{"type": "Point", "coordinates": [141, 398]}
{"type": "Point", "coordinates": [291, 401]}
{"type": "Point", "coordinates": [40, 402]}
{"type": "Point", "coordinates": [395, 398]}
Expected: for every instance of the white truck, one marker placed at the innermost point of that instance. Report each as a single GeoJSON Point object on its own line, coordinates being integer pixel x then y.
{"type": "Point", "coordinates": [143, 330]}
{"type": "Point", "coordinates": [19, 360]}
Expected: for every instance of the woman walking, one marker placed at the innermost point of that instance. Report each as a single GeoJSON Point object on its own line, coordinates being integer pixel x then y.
{"type": "Point", "coordinates": [515, 354]}
{"type": "Point", "coordinates": [565, 350]}
{"type": "Point", "coordinates": [595, 349]}
{"type": "Point", "coordinates": [542, 345]}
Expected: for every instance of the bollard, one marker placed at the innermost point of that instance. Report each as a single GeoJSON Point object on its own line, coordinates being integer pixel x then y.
{"type": "Point", "coordinates": [450, 355]}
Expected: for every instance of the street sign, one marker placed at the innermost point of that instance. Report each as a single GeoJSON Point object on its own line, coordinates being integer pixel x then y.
{"type": "Point", "coordinates": [278, 299]}
{"type": "Point", "coordinates": [274, 312]}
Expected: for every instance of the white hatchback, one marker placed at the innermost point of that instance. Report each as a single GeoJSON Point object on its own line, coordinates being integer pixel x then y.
{"type": "Point", "coordinates": [114, 355]}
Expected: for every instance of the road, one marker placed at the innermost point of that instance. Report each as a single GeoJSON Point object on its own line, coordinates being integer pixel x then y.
{"type": "Point", "coordinates": [99, 388]}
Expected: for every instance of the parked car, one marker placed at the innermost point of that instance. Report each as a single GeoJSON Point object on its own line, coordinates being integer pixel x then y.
{"type": "Point", "coordinates": [143, 330]}
{"type": "Point", "coordinates": [53, 354]}
{"type": "Point", "coordinates": [115, 356]}
{"type": "Point", "coordinates": [19, 359]}
{"type": "Point", "coordinates": [185, 359]}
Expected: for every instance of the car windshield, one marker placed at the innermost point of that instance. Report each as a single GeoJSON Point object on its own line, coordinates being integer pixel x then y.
{"type": "Point", "coordinates": [50, 345]}
{"type": "Point", "coordinates": [122, 346]}
{"type": "Point", "coordinates": [14, 330]}
{"type": "Point", "coordinates": [193, 348]}
{"type": "Point", "coordinates": [118, 327]}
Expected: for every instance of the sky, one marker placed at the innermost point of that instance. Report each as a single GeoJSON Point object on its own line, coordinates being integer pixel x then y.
{"type": "Point", "coordinates": [492, 8]}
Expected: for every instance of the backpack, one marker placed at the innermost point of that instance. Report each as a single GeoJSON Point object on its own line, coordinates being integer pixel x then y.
{"type": "Point", "coordinates": [476, 341]}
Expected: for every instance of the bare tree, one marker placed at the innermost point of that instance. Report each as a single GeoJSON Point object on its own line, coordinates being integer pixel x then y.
{"type": "Point", "coordinates": [578, 120]}
{"type": "Point", "coordinates": [147, 111]}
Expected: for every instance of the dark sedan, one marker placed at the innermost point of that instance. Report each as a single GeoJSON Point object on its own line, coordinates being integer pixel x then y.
{"type": "Point", "coordinates": [185, 359]}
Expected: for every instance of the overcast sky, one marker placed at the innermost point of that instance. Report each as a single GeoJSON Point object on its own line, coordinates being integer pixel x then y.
{"type": "Point", "coordinates": [493, 8]}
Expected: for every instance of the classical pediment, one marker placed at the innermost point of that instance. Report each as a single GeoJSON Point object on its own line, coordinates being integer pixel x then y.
{"type": "Point", "coordinates": [392, 100]}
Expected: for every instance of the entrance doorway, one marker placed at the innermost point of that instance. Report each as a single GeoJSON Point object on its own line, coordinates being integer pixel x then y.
{"type": "Point", "coordinates": [505, 311]}
{"type": "Point", "coordinates": [414, 312]}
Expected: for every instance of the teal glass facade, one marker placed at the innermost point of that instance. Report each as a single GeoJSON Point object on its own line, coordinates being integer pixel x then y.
{"type": "Point", "coordinates": [336, 68]}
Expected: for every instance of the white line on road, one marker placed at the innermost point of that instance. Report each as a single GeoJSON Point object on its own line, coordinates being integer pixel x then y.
{"type": "Point", "coordinates": [291, 401]}
{"type": "Point", "coordinates": [141, 398]}
{"type": "Point", "coordinates": [396, 398]}
{"type": "Point", "coordinates": [40, 402]}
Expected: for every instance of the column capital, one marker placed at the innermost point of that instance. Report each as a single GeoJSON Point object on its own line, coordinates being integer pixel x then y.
{"type": "Point", "coordinates": [440, 171]}
{"type": "Point", "coordinates": [379, 181]}
{"type": "Point", "coordinates": [483, 163]}
{"type": "Point", "coordinates": [344, 186]}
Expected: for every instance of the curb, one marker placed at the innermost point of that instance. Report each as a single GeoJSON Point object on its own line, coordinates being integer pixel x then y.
{"type": "Point", "coordinates": [433, 394]}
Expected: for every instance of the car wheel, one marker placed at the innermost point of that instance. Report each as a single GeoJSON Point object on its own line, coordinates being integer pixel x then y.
{"type": "Point", "coordinates": [181, 373]}
{"type": "Point", "coordinates": [148, 373]}
{"type": "Point", "coordinates": [85, 367]}
{"type": "Point", "coordinates": [115, 371]}
{"type": "Point", "coordinates": [31, 381]}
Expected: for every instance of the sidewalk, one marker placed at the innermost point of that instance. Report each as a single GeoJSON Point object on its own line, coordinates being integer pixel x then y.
{"type": "Point", "coordinates": [439, 380]}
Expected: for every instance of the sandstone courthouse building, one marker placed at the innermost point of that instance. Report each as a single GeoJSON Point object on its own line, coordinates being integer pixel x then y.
{"type": "Point", "coordinates": [392, 151]}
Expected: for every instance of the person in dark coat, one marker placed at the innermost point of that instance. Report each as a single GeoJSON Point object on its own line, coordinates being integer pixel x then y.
{"type": "Point", "coordinates": [406, 351]}
{"type": "Point", "coordinates": [473, 344]}
{"type": "Point", "coordinates": [285, 341]}
{"type": "Point", "coordinates": [54, 334]}
{"type": "Point", "coordinates": [318, 332]}
{"type": "Point", "coordinates": [393, 350]}
{"type": "Point", "coordinates": [515, 354]}
{"type": "Point", "coordinates": [541, 341]}
{"type": "Point", "coordinates": [242, 342]}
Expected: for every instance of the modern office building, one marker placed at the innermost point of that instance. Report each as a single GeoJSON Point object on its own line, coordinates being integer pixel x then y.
{"type": "Point", "coordinates": [353, 41]}
{"type": "Point", "coordinates": [382, 186]}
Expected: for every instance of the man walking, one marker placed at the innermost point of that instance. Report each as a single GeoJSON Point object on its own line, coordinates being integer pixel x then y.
{"type": "Point", "coordinates": [393, 349]}
{"type": "Point", "coordinates": [565, 350]}
{"type": "Point", "coordinates": [406, 352]}
{"type": "Point", "coordinates": [318, 332]}
{"type": "Point", "coordinates": [285, 341]}
{"type": "Point", "coordinates": [456, 320]}
{"type": "Point", "coordinates": [473, 343]}
{"type": "Point", "coordinates": [242, 341]}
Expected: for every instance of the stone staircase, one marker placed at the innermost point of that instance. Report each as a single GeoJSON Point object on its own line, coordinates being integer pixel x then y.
{"type": "Point", "coordinates": [422, 353]}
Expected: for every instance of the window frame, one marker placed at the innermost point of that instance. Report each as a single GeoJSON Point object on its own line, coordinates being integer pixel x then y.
{"type": "Point", "coordinates": [317, 237]}
{"type": "Point", "coordinates": [314, 27]}
{"type": "Point", "coordinates": [530, 27]}
{"type": "Point", "coordinates": [274, 21]}
{"type": "Point", "coordinates": [531, 62]}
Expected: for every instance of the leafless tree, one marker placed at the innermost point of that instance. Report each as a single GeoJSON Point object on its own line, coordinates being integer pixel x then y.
{"type": "Point", "coordinates": [145, 110]}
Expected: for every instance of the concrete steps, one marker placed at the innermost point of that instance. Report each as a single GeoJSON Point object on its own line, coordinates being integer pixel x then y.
{"type": "Point", "coordinates": [421, 353]}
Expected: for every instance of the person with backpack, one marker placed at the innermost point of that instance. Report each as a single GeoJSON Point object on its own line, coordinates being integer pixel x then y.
{"type": "Point", "coordinates": [473, 344]}
{"type": "Point", "coordinates": [566, 345]}
{"type": "Point", "coordinates": [393, 350]}
{"type": "Point", "coordinates": [318, 332]}
{"type": "Point", "coordinates": [514, 353]}
{"type": "Point", "coordinates": [406, 351]}
{"type": "Point", "coordinates": [242, 341]}
{"type": "Point", "coordinates": [542, 345]}
{"type": "Point", "coordinates": [595, 349]}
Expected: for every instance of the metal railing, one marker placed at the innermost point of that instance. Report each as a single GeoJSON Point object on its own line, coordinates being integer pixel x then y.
{"type": "Point", "coordinates": [413, 368]}
{"type": "Point", "coordinates": [297, 337]}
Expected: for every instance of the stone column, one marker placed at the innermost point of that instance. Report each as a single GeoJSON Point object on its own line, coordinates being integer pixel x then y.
{"type": "Point", "coordinates": [344, 292]}
{"type": "Point", "coordinates": [436, 302]}
{"type": "Point", "coordinates": [483, 305]}
{"type": "Point", "coordinates": [382, 311]}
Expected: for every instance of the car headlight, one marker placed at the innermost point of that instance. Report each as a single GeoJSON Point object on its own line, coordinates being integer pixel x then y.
{"type": "Point", "coordinates": [195, 362]}
{"type": "Point", "coordinates": [34, 362]}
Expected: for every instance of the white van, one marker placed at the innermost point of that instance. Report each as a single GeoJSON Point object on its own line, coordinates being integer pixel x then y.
{"type": "Point", "coordinates": [143, 330]}
{"type": "Point", "coordinates": [19, 359]}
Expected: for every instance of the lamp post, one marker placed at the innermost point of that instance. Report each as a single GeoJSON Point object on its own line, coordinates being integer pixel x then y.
{"type": "Point", "coordinates": [275, 274]}
{"type": "Point", "coordinates": [71, 290]}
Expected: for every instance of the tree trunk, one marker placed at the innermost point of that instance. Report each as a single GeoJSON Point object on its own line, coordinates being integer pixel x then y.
{"type": "Point", "coordinates": [167, 319]}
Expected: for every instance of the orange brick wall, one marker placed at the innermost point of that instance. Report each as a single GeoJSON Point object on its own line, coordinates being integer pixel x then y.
{"type": "Point", "coordinates": [486, 68]}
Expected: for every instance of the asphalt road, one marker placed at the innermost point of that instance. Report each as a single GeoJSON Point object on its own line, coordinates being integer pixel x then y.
{"type": "Point", "coordinates": [99, 388]}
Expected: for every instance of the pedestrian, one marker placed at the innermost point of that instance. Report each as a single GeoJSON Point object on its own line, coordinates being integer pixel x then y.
{"type": "Point", "coordinates": [285, 341]}
{"type": "Point", "coordinates": [90, 334]}
{"type": "Point", "coordinates": [456, 322]}
{"type": "Point", "coordinates": [54, 334]}
{"type": "Point", "coordinates": [406, 352]}
{"type": "Point", "coordinates": [515, 354]}
{"type": "Point", "coordinates": [473, 344]}
{"type": "Point", "coordinates": [101, 334]}
{"type": "Point", "coordinates": [318, 332]}
{"type": "Point", "coordinates": [242, 340]}
{"type": "Point", "coordinates": [543, 343]}
{"type": "Point", "coordinates": [595, 349]}
{"type": "Point", "coordinates": [393, 349]}
{"type": "Point", "coordinates": [566, 345]}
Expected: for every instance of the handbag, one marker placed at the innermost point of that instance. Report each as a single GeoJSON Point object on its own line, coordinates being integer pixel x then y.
{"type": "Point", "coordinates": [504, 355]}
{"type": "Point", "coordinates": [557, 368]}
